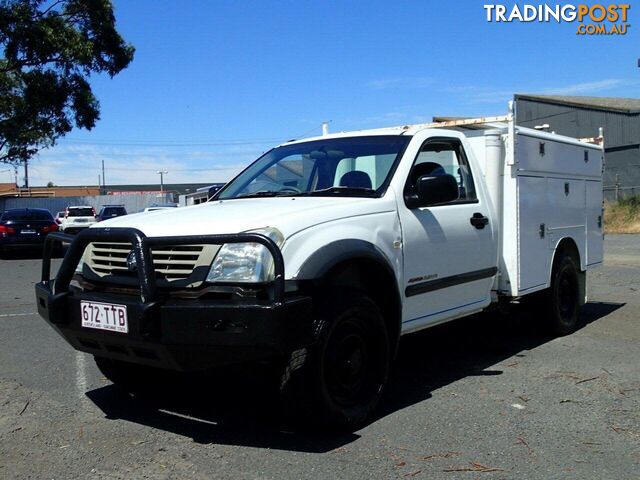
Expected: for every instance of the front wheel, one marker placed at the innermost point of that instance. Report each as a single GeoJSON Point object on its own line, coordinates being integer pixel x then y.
{"type": "Point", "coordinates": [131, 377]}
{"type": "Point", "coordinates": [340, 380]}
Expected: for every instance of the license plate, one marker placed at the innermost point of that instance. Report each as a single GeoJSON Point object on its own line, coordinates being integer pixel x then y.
{"type": "Point", "coordinates": [28, 232]}
{"type": "Point", "coordinates": [104, 316]}
{"type": "Point", "coordinates": [81, 220]}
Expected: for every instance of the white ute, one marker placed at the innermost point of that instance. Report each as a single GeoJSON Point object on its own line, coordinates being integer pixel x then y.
{"type": "Point", "coordinates": [324, 251]}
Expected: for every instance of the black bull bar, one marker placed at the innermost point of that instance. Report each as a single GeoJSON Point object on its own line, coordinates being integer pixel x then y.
{"type": "Point", "coordinates": [182, 334]}
{"type": "Point", "coordinates": [141, 246]}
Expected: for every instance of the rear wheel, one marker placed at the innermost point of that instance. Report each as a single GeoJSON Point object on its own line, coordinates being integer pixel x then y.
{"type": "Point", "coordinates": [342, 376]}
{"type": "Point", "coordinates": [562, 303]}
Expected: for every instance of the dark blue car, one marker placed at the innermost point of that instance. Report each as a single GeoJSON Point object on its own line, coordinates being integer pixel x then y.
{"type": "Point", "coordinates": [25, 227]}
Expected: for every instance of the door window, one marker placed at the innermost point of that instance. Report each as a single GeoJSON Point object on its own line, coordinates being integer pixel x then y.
{"type": "Point", "coordinates": [440, 156]}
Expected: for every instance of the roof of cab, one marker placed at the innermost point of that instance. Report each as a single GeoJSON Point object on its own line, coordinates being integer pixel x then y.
{"type": "Point", "coordinates": [399, 130]}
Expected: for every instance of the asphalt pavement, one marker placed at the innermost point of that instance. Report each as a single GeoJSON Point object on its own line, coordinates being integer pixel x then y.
{"type": "Point", "coordinates": [488, 396]}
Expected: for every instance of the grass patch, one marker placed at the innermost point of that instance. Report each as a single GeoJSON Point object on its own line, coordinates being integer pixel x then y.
{"type": "Point", "coordinates": [623, 216]}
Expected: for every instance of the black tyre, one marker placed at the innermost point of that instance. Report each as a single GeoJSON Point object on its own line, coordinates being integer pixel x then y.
{"type": "Point", "coordinates": [563, 297]}
{"type": "Point", "coordinates": [339, 381]}
{"type": "Point", "coordinates": [132, 377]}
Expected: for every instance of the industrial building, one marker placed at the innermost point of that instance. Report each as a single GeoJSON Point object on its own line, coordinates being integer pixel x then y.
{"type": "Point", "coordinates": [581, 117]}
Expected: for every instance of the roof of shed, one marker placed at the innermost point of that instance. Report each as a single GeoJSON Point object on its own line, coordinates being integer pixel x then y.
{"type": "Point", "coordinates": [625, 105]}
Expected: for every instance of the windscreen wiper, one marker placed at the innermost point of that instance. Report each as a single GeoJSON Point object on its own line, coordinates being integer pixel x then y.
{"type": "Point", "coordinates": [267, 194]}
{"type": "Point", "coordinates": [338, 189]}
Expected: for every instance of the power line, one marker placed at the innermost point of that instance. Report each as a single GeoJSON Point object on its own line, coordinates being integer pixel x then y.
{"type": "Point", "coordinates": [168, 143]}
{"type": "Point", "coordinates": [109, 169]}
{"type": "Point", "coordinates": [203, 156]}
{"type": "Point", "coordinates": [178, 143]}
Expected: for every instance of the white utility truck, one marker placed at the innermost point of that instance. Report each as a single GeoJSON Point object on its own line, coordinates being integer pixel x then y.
{"type": "Point", "coordinates": [324, 251]}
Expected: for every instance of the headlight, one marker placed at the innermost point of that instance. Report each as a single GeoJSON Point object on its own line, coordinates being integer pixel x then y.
{"type": "Point", "coordinates": [245, 262]}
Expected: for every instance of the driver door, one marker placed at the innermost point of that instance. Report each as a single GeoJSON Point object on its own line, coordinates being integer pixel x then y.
{"type": "Point", "coordinates": [449, 262]}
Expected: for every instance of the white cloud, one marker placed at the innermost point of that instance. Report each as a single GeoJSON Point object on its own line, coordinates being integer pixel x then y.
{"type": "Point", "coordinates": [478, 94]}
{"type": "Point", "coordinates": [590, 87]}
{"type": "Point", "coordinates": [475, 100]}
{"type": "Point", "coordinates": [81, 164]}
{"type": "Point", "coordinates": [482, 94]}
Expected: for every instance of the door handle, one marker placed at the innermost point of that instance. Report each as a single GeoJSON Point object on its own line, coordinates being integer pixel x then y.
{"type": "Point", "coordinates": [479, 220]}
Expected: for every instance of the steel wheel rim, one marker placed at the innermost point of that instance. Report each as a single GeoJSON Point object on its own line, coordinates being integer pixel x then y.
{"type": "Point", "coordinates": [348, 365]}
{"type": "Point", "coordinates": [567, 293]}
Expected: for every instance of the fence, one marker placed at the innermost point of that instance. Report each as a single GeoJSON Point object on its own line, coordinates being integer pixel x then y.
{"type": "Point", "coordinates": [615, 193]}
{"type": "Point", "coordinates": [133, 203]}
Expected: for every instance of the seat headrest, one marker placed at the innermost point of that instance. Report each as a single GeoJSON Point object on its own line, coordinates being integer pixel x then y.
{"type": "Point", "coordinates": [426, 168]}
{"type": "Point", "coordinates": [357, 179]}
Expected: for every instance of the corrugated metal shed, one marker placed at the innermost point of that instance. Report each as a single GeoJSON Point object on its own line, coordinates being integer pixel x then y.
{"type": "Point", "coordinates": [133, 203]}
{"type": "Point", "coordinates": [624, 105]}
{"type": "Point", "coordinates": [582, 117]}
{"type": "Point", "coordinates": [179, 188]}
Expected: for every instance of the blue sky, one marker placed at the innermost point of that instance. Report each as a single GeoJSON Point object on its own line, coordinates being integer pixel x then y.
{"type": "Point", "coordinates": [215, 83]}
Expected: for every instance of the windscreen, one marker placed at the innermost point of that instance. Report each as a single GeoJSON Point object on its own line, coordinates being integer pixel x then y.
{"type": "Point", "coordinates": [80, 212]}
{"type": "Point", "coordinates": [113, 211]}
{"type": "Point", "coordinates": [26, 216]}
{"type": "Point", "coordinates": [352, 166]}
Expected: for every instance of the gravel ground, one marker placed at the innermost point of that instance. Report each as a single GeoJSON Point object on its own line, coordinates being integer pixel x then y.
{"type": "Point", "coordinates": [483, 397]}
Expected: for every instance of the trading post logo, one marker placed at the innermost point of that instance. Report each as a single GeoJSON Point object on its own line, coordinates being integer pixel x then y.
{"type": "Point", "coordinates": [597, 19]}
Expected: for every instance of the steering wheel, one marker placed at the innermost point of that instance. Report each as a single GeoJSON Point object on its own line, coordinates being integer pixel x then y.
{"type": "Point", "coordinates": [290, 188]}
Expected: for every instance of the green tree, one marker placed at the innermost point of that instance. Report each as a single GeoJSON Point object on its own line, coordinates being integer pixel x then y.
{"type": "Point", "coordinates": [51, 48]}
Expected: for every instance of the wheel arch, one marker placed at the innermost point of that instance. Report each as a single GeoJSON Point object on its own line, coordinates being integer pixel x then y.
{"type": "Point", "coordinates": [359, 265]}
{"type": "Point", "coordinates": [567, 245]}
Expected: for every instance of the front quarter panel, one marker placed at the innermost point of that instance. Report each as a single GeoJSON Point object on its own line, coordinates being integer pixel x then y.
{"type": "Point", "coordinates": [312, 252]}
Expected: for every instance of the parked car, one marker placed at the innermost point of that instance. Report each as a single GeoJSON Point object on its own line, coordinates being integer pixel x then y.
{"type": "Point", "coordinates": [77, 218]}
{"type": "Point", "coordinates": [321, 254]}
{"type": "Point", "coordinates": [160, 206]}
{"type": "Point", "coordinates": [25, 227]}
{"type": "Point", "coordinates": [58, 218]}
{"type": "Point", "coordinates": [111, 211]}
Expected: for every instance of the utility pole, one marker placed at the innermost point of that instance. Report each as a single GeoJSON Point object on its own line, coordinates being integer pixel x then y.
{"type": "Point", "coordinates": [104, 183]}
{"type": "Point", "coordinates": [162, 173]}
{"type": "Point", "coordinates": [26, 174]}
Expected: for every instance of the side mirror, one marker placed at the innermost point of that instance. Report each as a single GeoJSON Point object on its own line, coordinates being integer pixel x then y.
{"type": "Point", "coordinates": [433, 190]}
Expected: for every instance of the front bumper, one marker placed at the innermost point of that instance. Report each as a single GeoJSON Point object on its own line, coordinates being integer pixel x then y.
{"type": "Point", "coordinates": [178, 334]}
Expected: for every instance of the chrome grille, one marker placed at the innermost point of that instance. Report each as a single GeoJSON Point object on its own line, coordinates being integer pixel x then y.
{"type": "Point", "coordinates": [175, 262]}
